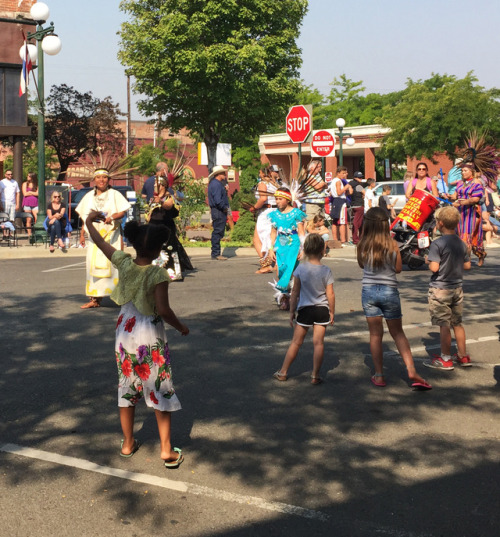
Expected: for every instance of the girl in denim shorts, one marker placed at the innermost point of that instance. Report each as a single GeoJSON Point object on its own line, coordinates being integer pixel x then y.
{"type": "Point", "coordinates": [379, 257]}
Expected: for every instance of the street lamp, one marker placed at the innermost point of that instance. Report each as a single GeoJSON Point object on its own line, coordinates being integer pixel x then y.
{"type": "Point", "coordinates": [341, 134]}
{"type": "Point", "coordinates": [49, 43]}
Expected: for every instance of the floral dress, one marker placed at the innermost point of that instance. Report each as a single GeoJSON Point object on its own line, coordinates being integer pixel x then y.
{"type": "Point", "coordinates": [141, 348]}
{"type": "Point", "coordinates": [287, 244]}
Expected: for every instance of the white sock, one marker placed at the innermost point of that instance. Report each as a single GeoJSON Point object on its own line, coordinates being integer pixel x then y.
{"type": "Point", "coordinates": [445, 357]}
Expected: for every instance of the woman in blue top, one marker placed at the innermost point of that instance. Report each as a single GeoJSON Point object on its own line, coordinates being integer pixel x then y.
{"type": "Point", "coordinates": [287, 236]}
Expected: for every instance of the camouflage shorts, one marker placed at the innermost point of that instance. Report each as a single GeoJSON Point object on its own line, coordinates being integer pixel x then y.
{"type": "Point", "coordinates": [446, 306]}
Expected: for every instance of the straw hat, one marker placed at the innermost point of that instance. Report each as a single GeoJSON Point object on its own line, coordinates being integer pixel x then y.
{"type": "Point", "coordinates": [217, 170]}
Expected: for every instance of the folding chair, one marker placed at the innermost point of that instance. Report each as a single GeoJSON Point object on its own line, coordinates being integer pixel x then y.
{"type": "Point", "coordinates": [10, 236]}
{"type": "Point", "coordinates": [22, 229]}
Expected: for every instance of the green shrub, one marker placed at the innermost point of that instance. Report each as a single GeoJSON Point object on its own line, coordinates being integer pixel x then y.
{"type": "Point", "coordinates": [244, 228]}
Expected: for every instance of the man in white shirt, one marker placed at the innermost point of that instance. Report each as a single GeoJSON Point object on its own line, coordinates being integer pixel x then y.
{"type": "Point", "coordinates": [10, 195]}
{"type": "Point", "coordinates": [369, 195]}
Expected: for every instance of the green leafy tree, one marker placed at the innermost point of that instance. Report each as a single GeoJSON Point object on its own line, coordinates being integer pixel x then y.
{"type": "Point", "coordinates": [247, 159]}
{"type": "Point", "coordinates": [78, 122]}
{"type": "Point", "coordinates": [223, 69]}
{"type": "Point", "coordinates": [145, 157]}
{"type": "Point", "coordinates": [344, 100]}
{"type": "Point", "coordinates": [435, 115]}
{"type": "Point", "coordinates": [30, 159]}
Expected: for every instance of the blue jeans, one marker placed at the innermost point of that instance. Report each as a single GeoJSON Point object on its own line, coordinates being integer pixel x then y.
{"type": "Point", "coordinates": [381, 301]}
{"type": "Point", "coordinates": [55, 231]}
{"type": "Point", "coordinates": [219, 220]}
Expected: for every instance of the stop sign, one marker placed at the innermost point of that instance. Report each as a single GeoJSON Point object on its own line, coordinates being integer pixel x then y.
{"type": "Point", "coordinates": [298, 124]}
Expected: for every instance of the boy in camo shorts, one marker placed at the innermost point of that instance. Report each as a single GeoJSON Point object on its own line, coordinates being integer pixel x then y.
{"type": "Point", "coordinates": [448, 258]}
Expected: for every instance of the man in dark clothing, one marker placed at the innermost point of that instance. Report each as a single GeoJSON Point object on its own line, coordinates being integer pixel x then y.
{"type": "Point", "coordinates": [149, 184]}
{"type": "Point", "coordinates": [357, 204]}
{"type": "Point", "coordinates": [219, 206]}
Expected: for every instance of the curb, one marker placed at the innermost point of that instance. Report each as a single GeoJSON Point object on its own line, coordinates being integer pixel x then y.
{"type": "Point", "coordinates": [36, 252]}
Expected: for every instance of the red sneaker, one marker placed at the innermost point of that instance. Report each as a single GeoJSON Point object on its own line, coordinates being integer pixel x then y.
{"type": "Point", "coordinates": [438, 363]}
{"type": "Point", "coordinates": [463, 361]}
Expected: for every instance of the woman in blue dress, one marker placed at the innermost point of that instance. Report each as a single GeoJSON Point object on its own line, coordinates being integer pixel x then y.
{"type": "Point", "coordinates": [287, 236]}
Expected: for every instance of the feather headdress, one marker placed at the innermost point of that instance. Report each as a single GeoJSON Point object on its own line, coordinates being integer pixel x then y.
{"type": "Point", "coordinates": [103, 162]}
{"type": "Point", "coordinates": [178, 168]}
{"type": "Point", "coordinates": [483, 157]}
{"type": "Point", "coordinates": [303, 185]}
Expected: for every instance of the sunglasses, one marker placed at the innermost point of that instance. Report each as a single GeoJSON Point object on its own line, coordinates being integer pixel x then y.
{"type": "Point", "coordinates": [55, 197]}
{"type": "Point", "coordinates": [421, 169]}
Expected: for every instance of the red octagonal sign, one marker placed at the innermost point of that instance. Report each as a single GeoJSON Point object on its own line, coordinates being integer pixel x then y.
{"type": "Point", "coordinates": [298, 124]}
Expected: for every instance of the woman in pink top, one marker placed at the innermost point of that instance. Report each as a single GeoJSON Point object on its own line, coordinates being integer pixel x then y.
{"type": "Point", "coordinates": [30, 199]}
{"type": "Point", "coordinates": [422, 181]}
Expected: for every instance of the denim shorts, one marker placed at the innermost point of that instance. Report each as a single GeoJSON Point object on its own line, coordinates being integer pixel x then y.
{"type": "Point", "coordinates": [381, 301]}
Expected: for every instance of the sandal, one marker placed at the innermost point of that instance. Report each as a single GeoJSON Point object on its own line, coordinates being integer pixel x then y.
{"type": "Point", "coordinates": [480, 261]}
{"type": "Point", "coordinates": [94, 303]}
{"type": "Point", "coordinates": [51, 248]}
{"type": "Point", "coordinates": [280, 376]}
{"type": "Point", "coordinates": [316, 380]}
{"type": "Point", "coordinates": [177, 462]}
{"type": "Point", "coordinates": [378, 383]}
{"type": "Point", "coordinates": [134, 449]}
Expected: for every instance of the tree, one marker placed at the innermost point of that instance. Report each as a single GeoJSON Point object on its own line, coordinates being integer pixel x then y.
{"type": "Point", "coordinates": [435, 115]}
{"type": "Point", "coordinates": [145, 157]}
{"type": "Point", "coordinates": [78, 122]}
{"type": "Point", "coordinates": [223, 69]}
{"type": "Point", "coordinates": [30, 159]}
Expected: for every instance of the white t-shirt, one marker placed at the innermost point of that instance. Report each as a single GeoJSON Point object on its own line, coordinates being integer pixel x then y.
{"type": "Point", "coordinates": [8, 190]}
{"type": "Point", "coordinates": [369, 196]}
{"type": "Point", "coordinates": [333, 188]}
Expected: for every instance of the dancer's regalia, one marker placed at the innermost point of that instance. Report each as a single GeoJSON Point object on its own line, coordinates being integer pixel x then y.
{"type": "Point", "coordinates": [173, 257]}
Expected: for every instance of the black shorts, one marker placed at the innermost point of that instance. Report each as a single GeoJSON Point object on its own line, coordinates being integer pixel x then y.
{"type": "Point", "coordinates": [311, 315]}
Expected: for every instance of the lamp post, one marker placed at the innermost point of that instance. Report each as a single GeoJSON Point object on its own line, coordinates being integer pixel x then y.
{"type": "Point", "coordinates": [49, 43]}
{"type": "Point", "coordinates": [341, 134]}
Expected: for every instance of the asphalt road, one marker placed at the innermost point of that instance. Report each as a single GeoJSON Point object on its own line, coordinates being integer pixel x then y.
{"type": "Point", "coordinates": [261, 457]}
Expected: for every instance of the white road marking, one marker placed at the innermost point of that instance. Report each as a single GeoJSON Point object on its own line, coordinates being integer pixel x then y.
{"type": "Point", "coordinates": [82, 263]}
{"type": "Point", "coordinates": [163, 482]}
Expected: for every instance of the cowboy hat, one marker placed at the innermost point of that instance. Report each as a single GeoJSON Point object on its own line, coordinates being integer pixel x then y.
{"type": "Point", "coordinates": [217, 170]}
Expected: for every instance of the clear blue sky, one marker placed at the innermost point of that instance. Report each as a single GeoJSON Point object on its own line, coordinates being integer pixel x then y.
{"type": "Point", "coordinates": [381, 43]}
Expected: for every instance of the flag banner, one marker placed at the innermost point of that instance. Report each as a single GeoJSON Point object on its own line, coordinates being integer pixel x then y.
{"type": "Point", "coordinates": [26, 69]}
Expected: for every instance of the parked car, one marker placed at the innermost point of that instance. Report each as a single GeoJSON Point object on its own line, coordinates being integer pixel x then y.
{"type": "Point", "coordinates": [397, 196]}
{"type": "Point", "coordinates": [77, 196]}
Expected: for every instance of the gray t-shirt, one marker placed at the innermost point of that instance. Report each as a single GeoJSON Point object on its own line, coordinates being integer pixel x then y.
{"type": "Point", "coordinates": [451, 254]}
{"type": "Point", "coordinates": [385, 275]}
{"type": "Point", "coordinates": [313, 282]}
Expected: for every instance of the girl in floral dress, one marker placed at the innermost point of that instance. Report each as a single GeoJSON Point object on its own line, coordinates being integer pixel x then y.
{"type": "Point", "coordinates": [141, 348]}
{"type": "Point", "coordinates": [287, 235]}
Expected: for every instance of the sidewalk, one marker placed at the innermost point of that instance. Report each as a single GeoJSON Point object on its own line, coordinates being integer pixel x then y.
{"type": "Point", "coordinates": [40, 251]}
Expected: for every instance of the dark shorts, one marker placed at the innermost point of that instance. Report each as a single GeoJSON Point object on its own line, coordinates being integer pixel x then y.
{"type": "Point", "coordinates": [311, 315]}
{"type": "Point", "coordinates": [381, 301]}
{"type": "Point", "coordinates": [446, 306]}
